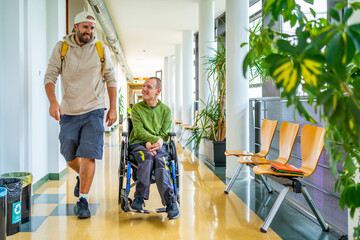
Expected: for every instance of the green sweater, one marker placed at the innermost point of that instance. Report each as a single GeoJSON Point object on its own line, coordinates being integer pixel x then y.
{"type": "Point", "coordinates": [150, 124]}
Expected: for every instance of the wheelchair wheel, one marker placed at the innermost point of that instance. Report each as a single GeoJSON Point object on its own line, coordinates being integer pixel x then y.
{"type": "Point", "coordinates": [121, 169]}
{"type": "Point", "coordinates": [173, 156]}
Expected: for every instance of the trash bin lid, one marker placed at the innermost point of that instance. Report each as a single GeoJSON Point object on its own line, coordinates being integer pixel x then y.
{"type": "Point", "coordinates": [26, 177]}
{"type": "Point", "coordinates": [3, 192]}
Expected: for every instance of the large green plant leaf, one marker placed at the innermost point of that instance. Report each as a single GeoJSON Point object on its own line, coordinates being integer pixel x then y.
{"type": "Point", "coordinates": [334, 14]}
{"type": "Point", "coordinates": [335, 54]}
{"type": "Point", "coordinates": [348, 13]}
{"type": "Point", "coordinates": [349, 165]}
{"type": "Point", "coordinates": [285, 46]}
{"type": "Point", "coordinates": [353, 32]}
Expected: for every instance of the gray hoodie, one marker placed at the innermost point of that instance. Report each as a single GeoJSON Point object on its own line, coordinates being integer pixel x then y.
{"type": "Point", "coordinates": [82, 86]}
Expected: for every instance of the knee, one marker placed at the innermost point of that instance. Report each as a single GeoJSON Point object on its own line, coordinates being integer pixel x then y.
{"type": "Point", "coordinates": [160, 162]}
{"type": "Point", "coordinates": [144, 156]}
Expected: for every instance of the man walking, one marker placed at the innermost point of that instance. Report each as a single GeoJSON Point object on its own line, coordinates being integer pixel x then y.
{"type": "Point", "coordinates": [86, 71]}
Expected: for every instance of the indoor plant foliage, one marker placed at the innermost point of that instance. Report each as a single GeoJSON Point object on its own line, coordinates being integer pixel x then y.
{"type": "Point", "coordinates": [323, 58]}
{"type": "Point", "coordinates": [211, 122]}
{"type": "Point", "coordinates": [121, 106]}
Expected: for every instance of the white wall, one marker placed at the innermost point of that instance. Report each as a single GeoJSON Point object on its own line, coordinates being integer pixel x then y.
{"type": "Point", "coordinates": [13, 88]}
{"type": "Point", "coordinates": [29, 138]}
{"type": "Point", "coordinates": [37, 102]}
{"type": "Point", "coordinates": [55, 30]}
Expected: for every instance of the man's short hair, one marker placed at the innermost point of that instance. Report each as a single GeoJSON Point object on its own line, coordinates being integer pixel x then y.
{"type": "Point", "coordinates": [158, 82]}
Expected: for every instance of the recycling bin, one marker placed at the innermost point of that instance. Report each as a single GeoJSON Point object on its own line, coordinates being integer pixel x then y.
{"type": "Point", "coordinates": [27, 179]}
{"type": "Point", "coordinates": [13, 204]}
{"type": "Point", "coordinates": [3, 198]}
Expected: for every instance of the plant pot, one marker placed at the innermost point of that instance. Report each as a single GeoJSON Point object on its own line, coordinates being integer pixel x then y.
{"type": "Point", "coordinates": [214, 152]}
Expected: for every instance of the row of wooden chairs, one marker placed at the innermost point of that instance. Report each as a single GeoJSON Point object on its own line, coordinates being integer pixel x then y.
{"type": "Point", "coordinates": [312, 145]}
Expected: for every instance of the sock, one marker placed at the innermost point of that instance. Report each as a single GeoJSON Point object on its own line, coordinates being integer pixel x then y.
{"type": "Point", "coordinates": [83, 195]}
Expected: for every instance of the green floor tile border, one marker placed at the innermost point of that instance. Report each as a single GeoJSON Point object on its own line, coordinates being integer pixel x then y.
{"type": "Point", "coordinates": [47, 177]}
{"type": "Point", "coordinates": [57, 176]}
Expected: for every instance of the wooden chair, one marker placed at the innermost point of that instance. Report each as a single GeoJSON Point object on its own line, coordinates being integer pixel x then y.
{"type": "Point", "coordinates": [287, 138]}
{"type": "Point", "coordinates": [268, 128]}
{"type": "Point", "coordinates": [312, 145]}
{"type": "Point", "coordinates": [189, 127]}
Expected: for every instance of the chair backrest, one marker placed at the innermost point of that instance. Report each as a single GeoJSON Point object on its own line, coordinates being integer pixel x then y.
{"type": "Point", "coordinates": [288, 134]}
{"type": "Point", "coordinates": [268, 128]}
{"type": "Point", "coordinates": [312, 145]}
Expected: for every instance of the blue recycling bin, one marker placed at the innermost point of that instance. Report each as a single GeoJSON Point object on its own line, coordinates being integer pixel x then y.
{"type": "Point", "coordinates": [3, 200]}
{"type": "Point", "coordinates": [13, 204]}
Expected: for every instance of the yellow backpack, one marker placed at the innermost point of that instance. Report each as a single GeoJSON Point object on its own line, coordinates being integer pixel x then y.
{"type": "Point", "coordinates": [100, 51]}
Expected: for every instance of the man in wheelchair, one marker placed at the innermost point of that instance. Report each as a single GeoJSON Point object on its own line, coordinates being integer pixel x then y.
{"type": "Point", "coordinates": [151, 123]}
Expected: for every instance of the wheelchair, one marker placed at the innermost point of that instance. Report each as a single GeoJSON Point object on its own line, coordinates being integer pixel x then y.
{"type": "Point", "coordinates": [128, 169]}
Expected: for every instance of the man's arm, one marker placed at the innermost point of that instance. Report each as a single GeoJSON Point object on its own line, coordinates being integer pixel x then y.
{"type": "Point", "coordinates": [164, 131]}
{"type": "Point", "coordinates": [55, 108]}
{"type": "Point", "coordinates": [112, 113]}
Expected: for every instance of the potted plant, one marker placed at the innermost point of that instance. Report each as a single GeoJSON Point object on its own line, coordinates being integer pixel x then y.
{"type": "Point", "coordinates": [211, 124]}
{"type": "Point", "coordinates": [121, 106]}
{"type": "Point", "coordinates": [322, 58]}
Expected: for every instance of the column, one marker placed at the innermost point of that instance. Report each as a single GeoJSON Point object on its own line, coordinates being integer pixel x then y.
{"type": "Point", "coordinates": [187, 64]}
{"type": "Point", "coordinates": [206, 44]}
{"type": "Point", "coordinates": [172, 85]}
{"type": "Point", "coordinates": [178, 82]}
{"type": "Point", "coordinates": [165, 81]}
{"type": "Point", "coordinates": [237, 100]}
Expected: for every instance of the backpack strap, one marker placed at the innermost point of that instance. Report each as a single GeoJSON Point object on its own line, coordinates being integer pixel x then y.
{"type": "Point", "coordinates": [64, 49]}
{"type": "Point", "coordinates": [100, 51]}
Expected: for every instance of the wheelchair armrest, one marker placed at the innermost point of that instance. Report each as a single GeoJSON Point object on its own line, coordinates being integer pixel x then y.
{"type": "Point", "coordinates": [125, 134]}
{"type": "Point", "coordinates": [172, 134]}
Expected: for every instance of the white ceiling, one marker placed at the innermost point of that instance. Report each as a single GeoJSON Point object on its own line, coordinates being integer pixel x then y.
{"type": "Point", "coordinates": [149, 29]}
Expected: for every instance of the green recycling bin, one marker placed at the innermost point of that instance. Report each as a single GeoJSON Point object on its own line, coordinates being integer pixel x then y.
{"type": "Point", "coordinates": [26, 179]}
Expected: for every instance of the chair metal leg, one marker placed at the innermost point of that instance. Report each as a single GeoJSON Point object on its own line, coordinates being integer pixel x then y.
{"type": "Point", "coordinates": [315, 210]}
{"type": "Point", "coordinates": [181, 130]}
{"type": "Point", "coordinates": [182, 134]}
{"type": "Point", "coordinates": [264, 204]}
{"type": "Point", "coordinates": [274, 209]}
{"type": "Point", "coordinates": [265, 183]}
{"type": "Point", "coordinates": [238, 170]}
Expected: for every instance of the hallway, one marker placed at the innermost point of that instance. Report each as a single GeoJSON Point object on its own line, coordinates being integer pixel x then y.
{"type": "Point", "coordinates": [206, 212]}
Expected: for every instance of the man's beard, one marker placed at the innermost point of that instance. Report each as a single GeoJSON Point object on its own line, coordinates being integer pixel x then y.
{"type": "Point", "coordinates": [81, 39]}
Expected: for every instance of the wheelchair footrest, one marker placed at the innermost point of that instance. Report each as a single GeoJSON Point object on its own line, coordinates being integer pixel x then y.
{"type": "Point", "coordinates": [140, 211]}
{"type": "Point", "coordinates": [161, 210]}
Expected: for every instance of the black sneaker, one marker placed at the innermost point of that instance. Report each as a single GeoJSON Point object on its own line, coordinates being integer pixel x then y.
{"type": "Point", "coordinates": [172, 210]}
{"type": "Point", "coordinates": [138, 204]}
{"type": "Point", "coordinates": [77, 187]}
{"type": "Point", "coordinates": [81, 209]}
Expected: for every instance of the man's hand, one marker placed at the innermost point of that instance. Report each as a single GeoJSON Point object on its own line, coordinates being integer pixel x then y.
{"type": "Point", "coordinates": [157, 146]}
{"type": "Point", "coordinates": [111, 116]}
{"type": "Point", "coordinates": [148, 146]}
{"type": "Point", "coordinates": [54, 110]}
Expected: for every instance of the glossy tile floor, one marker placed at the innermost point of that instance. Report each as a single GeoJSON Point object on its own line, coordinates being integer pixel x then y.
{"type": "Point", "coordinates": [206, 212]}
